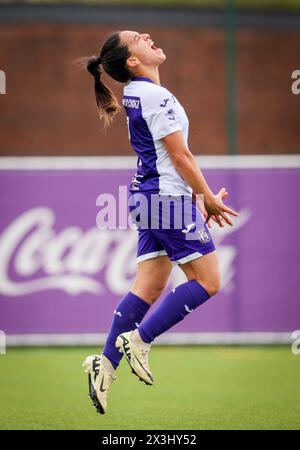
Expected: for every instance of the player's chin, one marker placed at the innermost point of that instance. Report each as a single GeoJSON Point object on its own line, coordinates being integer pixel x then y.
{"type": "Point", "coordinates": [162, 57]}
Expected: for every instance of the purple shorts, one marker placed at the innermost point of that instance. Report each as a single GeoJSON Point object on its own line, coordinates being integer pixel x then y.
{"type": "Point", "coordinates": [169, 225]}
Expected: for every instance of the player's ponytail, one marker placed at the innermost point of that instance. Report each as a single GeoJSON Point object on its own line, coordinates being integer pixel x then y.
{"type": "Point", "coordinates": [107, 102]}
{"type": "Point", "coordinates": [113, 57]}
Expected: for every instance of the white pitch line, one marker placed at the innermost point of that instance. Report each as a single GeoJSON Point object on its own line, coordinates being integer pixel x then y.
{"type": "Point", "coordinates": [87, 339]}
{"type": "Point", "coordinates": [129, 162]}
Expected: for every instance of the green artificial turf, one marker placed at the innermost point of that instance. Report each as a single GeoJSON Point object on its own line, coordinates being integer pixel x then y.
{"type": "Point", "coordinates": [195, 388]}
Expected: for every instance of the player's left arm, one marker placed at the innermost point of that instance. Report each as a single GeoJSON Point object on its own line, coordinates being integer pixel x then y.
{"type": "Point", "coordinates": [186, 164]}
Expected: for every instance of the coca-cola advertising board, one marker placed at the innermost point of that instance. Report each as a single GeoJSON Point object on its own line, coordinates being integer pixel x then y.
{"type": "Point", "coordinates": [62, 275]}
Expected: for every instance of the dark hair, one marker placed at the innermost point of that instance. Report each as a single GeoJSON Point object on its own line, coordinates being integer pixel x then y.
{"type": "Point", "coordinates": [113, 57]}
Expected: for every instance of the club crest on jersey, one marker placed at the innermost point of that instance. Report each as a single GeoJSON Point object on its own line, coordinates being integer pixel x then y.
{"type": "Point", "coordinates": [171, 114]}
{"type": "Point", "coordinates": [203, 236]}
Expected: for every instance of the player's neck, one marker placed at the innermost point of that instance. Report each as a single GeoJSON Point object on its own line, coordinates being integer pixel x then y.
{"type": "Point", "coordinates": [151, 73]}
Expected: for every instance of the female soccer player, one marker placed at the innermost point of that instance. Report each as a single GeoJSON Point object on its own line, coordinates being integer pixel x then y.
{"type": "Point", "coordinates": [158, 133]}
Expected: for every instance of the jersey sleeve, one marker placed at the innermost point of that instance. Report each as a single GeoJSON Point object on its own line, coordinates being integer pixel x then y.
{"type": "Point", "coordinates": [160, 114]}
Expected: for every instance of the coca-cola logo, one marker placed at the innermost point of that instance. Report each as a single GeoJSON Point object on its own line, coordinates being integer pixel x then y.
{"type": "Point", "coordinates": [34, 257]}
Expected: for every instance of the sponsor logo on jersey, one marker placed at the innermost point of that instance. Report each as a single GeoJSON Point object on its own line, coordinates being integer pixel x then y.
{"type": "Point", "coordinates": [131, 103]}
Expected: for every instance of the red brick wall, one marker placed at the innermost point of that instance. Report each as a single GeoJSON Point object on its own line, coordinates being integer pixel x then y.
{"type": "Point", "coordinates": [268, 112]}
{"type": "Point", "coordinates": [49, 108]}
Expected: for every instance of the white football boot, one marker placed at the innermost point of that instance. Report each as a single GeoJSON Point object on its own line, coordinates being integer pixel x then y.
{"type": "Point", "coordinates": [136, 352]}
{"type": "Point", "coordinates": [100, 376]}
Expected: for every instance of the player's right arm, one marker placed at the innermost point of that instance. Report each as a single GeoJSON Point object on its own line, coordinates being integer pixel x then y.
{"type": "Point", "coordinates": [187, 166]}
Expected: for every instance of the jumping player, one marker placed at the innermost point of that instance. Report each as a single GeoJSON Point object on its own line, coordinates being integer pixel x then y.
{"type": "Point", "coordinates": [158, 133]}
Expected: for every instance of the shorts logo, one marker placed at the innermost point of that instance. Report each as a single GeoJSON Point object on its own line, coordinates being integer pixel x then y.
{"type": "Point", "coordinates": [188, 228]}
{"type": "Point", "coordinates": [203, 236]}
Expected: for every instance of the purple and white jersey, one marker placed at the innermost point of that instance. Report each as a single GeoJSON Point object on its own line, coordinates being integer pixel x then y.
{"type": "Point", "coordinates": [153, 113]}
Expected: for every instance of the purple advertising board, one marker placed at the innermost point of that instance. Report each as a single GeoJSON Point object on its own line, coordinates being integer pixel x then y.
{"type": "Point", "coordinates": [59, 273]}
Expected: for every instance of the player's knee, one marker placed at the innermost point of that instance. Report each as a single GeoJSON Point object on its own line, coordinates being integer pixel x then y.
{"type": "Point", "coordinates": [154, 293]}
{"type": "Point", "coordinates": [212, 286]}
{"type": "Point", "coordinates": [150, 293]}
